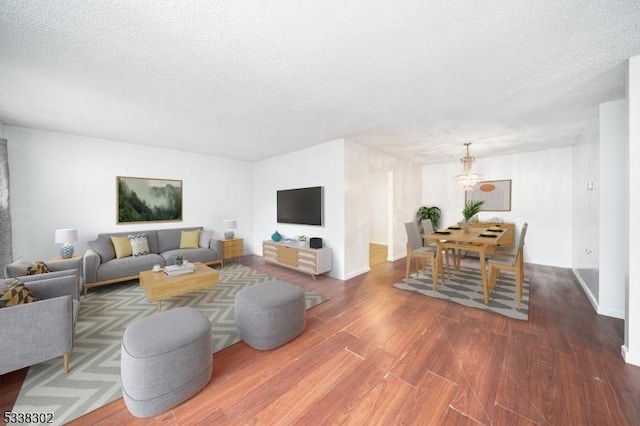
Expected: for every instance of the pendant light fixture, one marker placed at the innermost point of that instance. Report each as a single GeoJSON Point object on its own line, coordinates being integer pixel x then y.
{"type": "Point", "coordinates": [467, 179]}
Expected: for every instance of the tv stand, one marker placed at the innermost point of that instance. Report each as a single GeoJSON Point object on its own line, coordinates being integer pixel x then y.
{"type": "Point", "coordinates": [292, 255]}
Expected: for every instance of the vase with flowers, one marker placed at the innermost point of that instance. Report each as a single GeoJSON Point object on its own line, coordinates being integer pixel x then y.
{"type": "Point", "coordinates": [470, 210]}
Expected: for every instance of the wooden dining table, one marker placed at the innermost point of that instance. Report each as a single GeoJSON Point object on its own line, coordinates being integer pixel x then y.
{"type": "Point", "coordinates": [479, 240]}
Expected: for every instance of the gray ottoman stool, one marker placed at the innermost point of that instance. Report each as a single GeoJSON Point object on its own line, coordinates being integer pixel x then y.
{"type": "Point", "coordinates": [269, 315]}
{"type": "Point", "coordinates": [165, 359]}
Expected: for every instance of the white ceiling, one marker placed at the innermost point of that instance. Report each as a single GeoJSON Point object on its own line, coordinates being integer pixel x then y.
{"type": "Point", "coordinates": [254, 79]}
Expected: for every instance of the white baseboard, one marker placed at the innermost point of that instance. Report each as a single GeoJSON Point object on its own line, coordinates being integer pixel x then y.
{"type": "Point", "coordinates": [356, 273]}
{"type": "Point", "coordinates": [596, 306]}
{"type": "Point", "coordinates": [586, 290]}
{"type": "Point", "coordinates": [611, 313]}
{"type": "Point", "coordinates": [630, 358]}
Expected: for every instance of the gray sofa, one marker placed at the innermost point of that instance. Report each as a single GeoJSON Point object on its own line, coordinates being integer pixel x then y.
{"type": "Point", "coordinates": [101, 266]}
{"type": "Point", "coordinates": [40, 330]}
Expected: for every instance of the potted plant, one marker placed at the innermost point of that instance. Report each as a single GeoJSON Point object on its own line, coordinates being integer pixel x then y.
{"type": "Point", "coordinates": [471, 208]}
{"type": "Point", "coordinates": [429, 213]}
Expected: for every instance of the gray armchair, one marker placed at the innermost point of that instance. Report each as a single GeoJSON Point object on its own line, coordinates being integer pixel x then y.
{"type": "Point", "coordinates": [40, 330]}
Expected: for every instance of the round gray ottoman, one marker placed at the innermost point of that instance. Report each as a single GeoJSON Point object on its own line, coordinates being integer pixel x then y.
{"type": "Point", "coordinates": [164, 360]}
{"type": "Point", "coordinates": [269, 315]}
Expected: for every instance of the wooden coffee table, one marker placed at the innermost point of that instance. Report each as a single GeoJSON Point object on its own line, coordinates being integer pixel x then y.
{"type": "Point", "coordinates": [158, 285]}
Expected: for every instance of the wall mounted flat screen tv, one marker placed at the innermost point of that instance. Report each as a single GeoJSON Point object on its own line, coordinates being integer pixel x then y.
{"type": "Point", "coordinates": [301, 206]}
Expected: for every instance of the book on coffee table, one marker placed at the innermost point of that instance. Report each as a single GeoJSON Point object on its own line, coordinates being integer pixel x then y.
{"type": "Point", "coordinates": [185, 268]}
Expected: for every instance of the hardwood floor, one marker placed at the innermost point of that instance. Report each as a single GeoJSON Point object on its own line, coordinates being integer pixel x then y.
{"type": "Point", "coordinates": [377, 254]}
{"type": "Point", "coordinates": [373, 354]}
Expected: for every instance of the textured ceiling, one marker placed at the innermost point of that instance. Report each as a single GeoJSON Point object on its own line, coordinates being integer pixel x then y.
{"type": "Point", "coordinates": [254, 79]}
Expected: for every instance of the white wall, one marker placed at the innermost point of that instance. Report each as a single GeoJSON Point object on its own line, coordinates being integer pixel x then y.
{"type": "Point", "coordinates": [403, 198]}
{"type": "Point", "coordinates": [631, 348]}
{"type": "Point", "coordinates": [378, 207]}
{"type": "Point", "coordinates": [612, 190]}
{"type": "Point", "coordinates": [64, 181]}
{"type": "Point", "coordinates": [540, 195]}
{"type": "Point", "coordinates": [585, 253]}
{"type": "Point", "coordinates": [320, 165]}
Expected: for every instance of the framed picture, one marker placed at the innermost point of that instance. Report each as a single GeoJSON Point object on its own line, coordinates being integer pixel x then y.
{"type": "Point", "coordinates": [148, 200]}
{"type": "Point", "coordinates": [496, 195]}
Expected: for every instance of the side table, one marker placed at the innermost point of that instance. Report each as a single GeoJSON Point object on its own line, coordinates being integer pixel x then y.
{"type": "Point", "coordinates": [232, 249]}
{"type": "Point", "coordinates": [55, 259]}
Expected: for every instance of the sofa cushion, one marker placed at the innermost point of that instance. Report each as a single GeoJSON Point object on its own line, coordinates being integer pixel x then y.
{"type": "Point", "coordinates": [104, 248]}
{"type": "Point", "coordinates": [17, 268]}
{"type": "Point", "coordinates": [139, 244]}
{"type": "Point", "coordinates": [191, 255]}
{"type": "Point", "coordinates": [169, 239]}
{"type": "Point", "coordinates": [190, 239]}
{"type": "Point", "coordinates": [122, 246]}
{"type": "Point", "coordinates": [205, 237]}
{"type": "Point", "coordinates": [128, 266]}
{"type": "Point", "coordinates": [38, 267]}
{"type": "Point", "coordinates": [16, 294]}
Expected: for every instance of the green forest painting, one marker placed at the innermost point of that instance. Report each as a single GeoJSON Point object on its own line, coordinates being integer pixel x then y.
{"type": "Point", "coordinates": [149, 200]}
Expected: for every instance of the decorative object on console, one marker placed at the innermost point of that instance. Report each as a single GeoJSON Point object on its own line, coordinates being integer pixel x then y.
{"type": "Point", "coordinates": [229, 225]}
{"type": "Point", "coordinates": [466, 178]}
{"type": "Point", "coordinates": [66, 237]}
{"type": "Point", "coordinates": [471, 208]}
{"type": "Point", "coordinates": [276, 236]}
{"type": "Point", "coordinates": [315, 242]}
{"type": "Point", "coordinates": [148, 200]}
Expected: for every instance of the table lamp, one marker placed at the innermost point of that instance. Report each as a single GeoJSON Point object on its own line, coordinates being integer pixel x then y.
{"type": "Point", "coordinates": [230, 225]}
{"type": "Point", "coordinates": [66, 237]}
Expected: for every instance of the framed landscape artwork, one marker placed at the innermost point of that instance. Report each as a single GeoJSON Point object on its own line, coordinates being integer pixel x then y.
{"type": "Point", "coordinates": [496, 195]}
{"type": "Point", "coordinates": [148, 200]}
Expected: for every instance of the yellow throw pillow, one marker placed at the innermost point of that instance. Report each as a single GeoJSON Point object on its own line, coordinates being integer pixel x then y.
{"type": "Point", "coordinates": [122, 246]}
{"type": "Point", "coordinates": [190, 239]}
{"type": "Point", "coordinates": [38, 267]}
{"type": "Point", "coordinates": [16, 294]}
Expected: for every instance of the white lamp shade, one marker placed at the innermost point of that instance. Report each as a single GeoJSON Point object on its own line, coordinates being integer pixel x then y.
{"type": "Point", "coordinates": [230, 224]}
{"type": "Point", "coordinates": [69, 235]}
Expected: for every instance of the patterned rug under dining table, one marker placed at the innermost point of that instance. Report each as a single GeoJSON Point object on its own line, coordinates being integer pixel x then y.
{"type": "Point", "coordinates": [475, 239]}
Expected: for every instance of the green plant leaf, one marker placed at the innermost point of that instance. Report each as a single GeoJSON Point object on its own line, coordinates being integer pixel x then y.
{"type": "Point", "coordinates": [471, 208]}
{"type": "Point", "coordinates": [432, 214]}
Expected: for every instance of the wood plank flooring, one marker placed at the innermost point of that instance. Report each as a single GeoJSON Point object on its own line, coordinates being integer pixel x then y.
{"type": "Point", "coordinates": [373, 354]}
{"type": "Point", "coordinates": [377, 254]}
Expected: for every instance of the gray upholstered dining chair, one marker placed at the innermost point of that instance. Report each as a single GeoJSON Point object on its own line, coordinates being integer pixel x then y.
{"type": "Point", "coordinates": [416, 250]}
{"type": "Point", "coordinates": [512, 261]}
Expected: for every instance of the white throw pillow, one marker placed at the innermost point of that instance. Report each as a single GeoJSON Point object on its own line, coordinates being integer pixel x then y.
{"type": "Point", "coordinates": [139, 244]}
{"type": "Point", "coordinates": [205, 236]}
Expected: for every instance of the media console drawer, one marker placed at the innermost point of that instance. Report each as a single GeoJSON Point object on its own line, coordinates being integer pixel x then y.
{"type": "Point", "coordinates": [294, 256]}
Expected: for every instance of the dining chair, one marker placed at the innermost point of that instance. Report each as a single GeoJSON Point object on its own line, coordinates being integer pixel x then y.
{"type": "Point", "coordinates": [416, 250]}
{"type": "Point", "coordinates": [511, 263]}
{"type": "Point", "coordinates": [512, 251]}
{"type": "Point", "coordinates": [428, 228]}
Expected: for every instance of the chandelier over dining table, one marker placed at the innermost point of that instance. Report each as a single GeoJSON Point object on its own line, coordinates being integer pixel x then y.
{"type": "Point", "coordinates": [467, 179]}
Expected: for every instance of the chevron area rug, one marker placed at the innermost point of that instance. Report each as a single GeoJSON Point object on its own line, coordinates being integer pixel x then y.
{"type": "Point", "coordinates": [94, 378]}
{"type": "Point", "coordinates": [464, 287]}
